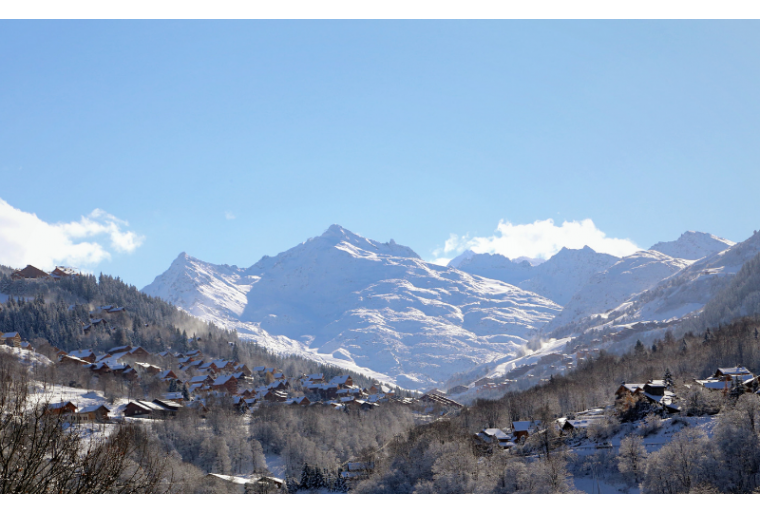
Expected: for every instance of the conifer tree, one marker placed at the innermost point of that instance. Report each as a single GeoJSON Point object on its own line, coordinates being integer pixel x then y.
{"type": "Point", "coordinates": [668, 378]}
{"type": "Point", "coordinates": [305, 477]}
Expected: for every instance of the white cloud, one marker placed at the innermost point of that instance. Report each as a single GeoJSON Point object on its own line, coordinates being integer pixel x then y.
{"type": "Point", "coordinates": [541, 239]}
{"type": "Point", "coordinates": [229, 215]}
{"type": "Point", "coordinates": [26, 239]}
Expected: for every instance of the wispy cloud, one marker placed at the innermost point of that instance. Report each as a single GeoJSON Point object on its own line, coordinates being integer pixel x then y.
{"type": "Point", "coordinates": [26, 239]}
{"type": "Point", "coordinates": [229, 215]}
{"type": "Point", "coordinates": [540, 239]}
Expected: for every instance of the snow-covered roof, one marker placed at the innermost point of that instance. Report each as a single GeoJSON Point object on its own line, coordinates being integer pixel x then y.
{"type": "Point", "coordinates": [495, 432]}
{"type": "Point", "coordinates": [92, 408]}
{"type": "Point", "coordinates": [525, 426]}
{"type": "Point", "coordinates": [220, 381]}
{"type": "Point", "coordinates": [735, 370]}
{"type": "Point", "coordinates": [81, 354]}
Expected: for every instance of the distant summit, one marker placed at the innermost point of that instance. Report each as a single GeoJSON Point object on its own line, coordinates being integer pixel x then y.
{"type": "Point", "coordinates": [558, 278]}
{"type": "Point", "coordinates": [693, 245]}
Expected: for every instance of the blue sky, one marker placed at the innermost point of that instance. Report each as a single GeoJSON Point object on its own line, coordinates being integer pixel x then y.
{"type": "Point", "coordinates": [232, 140]}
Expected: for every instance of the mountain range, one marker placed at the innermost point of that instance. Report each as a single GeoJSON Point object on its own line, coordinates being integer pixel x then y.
{"type": "Point", "coordinates": [379, 309]}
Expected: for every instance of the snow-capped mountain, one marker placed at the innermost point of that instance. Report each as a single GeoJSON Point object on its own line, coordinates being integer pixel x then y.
{"type": "Point", "coordinates": [687, 291]}
{"type": "Point", "coordinates": [558, 279]}
{"type": "Point", "coordinates": [374, 307]}
{"type": "Point", "coordinates": [693, 245]}
{"type": "Point", "coordinates": [608, 289]}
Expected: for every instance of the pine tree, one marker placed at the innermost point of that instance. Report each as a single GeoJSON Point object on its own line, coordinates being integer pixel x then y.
{"type": "Point", "coordinates": [305, 477]}
{"type": "Point", "coordinates": [737, 389]}
{"type": "Point", "coordinates": [668, 378]}
{"type": "Point", "coordinates": [340, 484]}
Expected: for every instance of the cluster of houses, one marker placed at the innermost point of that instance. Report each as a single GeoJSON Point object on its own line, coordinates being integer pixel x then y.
{"type": "Point", "coordinates": [92, 413]}
{"type": "Point", "coordinates": [726, 378]}
{"type": "Point", "coordinates": [32, 272]}
{"type": "Point", "coordinates": [654, 392]}
{"type": "Point", "coordinates": [190, 378]}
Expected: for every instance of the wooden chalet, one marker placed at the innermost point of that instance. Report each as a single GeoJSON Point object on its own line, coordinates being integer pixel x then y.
{"type": "Point", "coordinates": [12, 339]}
{"type": "Point", "coordinates": [301, 400]}
{"type": "Point", "coordinates": [434, 399]}
{"type": "Point", "coordinates": [168, 375]}
{"type": "Point", "coordinates": [342, 381]}
{"type": "Point", "coordinates": [61, 408]}
{"type": "Point", "coordinates": [61, 272]}
{"type": "Point", "coordinates": [73, 361]}
{"type": "Point", "coordinates": [93, 413]}
{"type": "Point", "coordinates": [226, 383]}
{"type": "Point", "coordinates": [242, 368]}
{"type": "Point", "coordinates": [169, 405]}
{"type": "Point", "coordinates": [264, 485]}
{"type": "Point", "coordinates": [144, 408]}
{"type": "Point", "coordinates": [122, 348]}
{"type": "Point", "coordinates": [149, 369]}
{"type": "Point", "coordinates": [275, 396]}
{"type": "Point", "coordinates": [200, 379]}
{"type": "Point", "coordinates": [729, 374]}
{"type": "Point", "coordinates": [483, 381]}
{"type": "Point", "coordinates": [84, 354]}
{"type": "Point", "coordinates": [523, 429]}
{"type": "Point", "coordinates": [29, 272]}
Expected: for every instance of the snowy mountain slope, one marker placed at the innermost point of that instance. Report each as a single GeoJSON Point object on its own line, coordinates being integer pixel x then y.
{"type": "Point", "coordinates": [693, 245]}
{"type": "Point", "coordinates": [689, 290]}
{"type": "Point", "coordinates": [345, 299]}
{"type": "Point", "coordinates": [558, 279]}
{"type": "Point", "coordinates": [608, 289]}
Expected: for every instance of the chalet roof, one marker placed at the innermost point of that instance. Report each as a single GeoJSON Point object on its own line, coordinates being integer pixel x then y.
{"type": "Point", "coordinates": [30, 272]}
{"type": "Point", "coordinates": [495, 432]}
{"type": "Point", "coordinates": [632, 387]}
{"type": "Point", "coordinates": [164, 374]}
{"type": "Point", "coordinates": [198, 378]}
{"type": "Point", "coordinates": [340, 379]}
{"type": "Point", "coordinates": [167, 404]}
{"type": "Point", "coordinates": [316, 376]}
{"type": "Point", "coordinates": [359, 466]}
{"type": "Point", "coordinates": [123, 348]}
{"type": "Point", "coordinates": [81, 354]}
{"type": "Point", "coordinates": [259, 368]}
{"type": "Point", "coordinates": [93, 408]}
{"type": "Point", "coordinates": [735, 370]}
{"type": "Point", "coordinates": [147, 406]}
{"type": "Point", "coordinates": [174, 395]}
{"type": "Point", "coordinates": [525, 426]}
{"type": "Point", "coordinates": [224, 379]}
{"type": "Point", "coordinates": [72, 358]}
{"type": "Point", "coordinates": [60, 405]}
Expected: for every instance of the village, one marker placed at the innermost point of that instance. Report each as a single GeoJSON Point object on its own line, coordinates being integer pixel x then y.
{"type": "Point", "coordinates": [634, 402]}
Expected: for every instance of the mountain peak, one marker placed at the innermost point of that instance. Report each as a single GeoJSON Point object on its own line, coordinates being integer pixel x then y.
{"type": "Point", "coordinates": [693, 245]}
